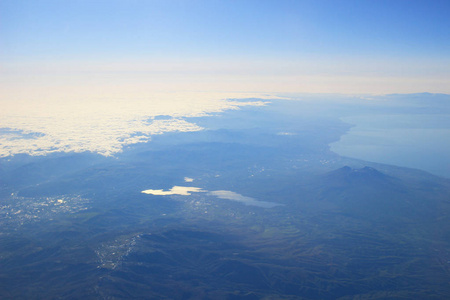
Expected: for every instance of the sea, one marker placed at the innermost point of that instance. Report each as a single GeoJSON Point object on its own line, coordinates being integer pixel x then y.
{"type": "Point", "coordinates": [420, 141]}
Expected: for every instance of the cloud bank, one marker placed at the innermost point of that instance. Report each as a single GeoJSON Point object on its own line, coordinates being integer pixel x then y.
{"type": "Point", "coordinates": [39, 124]}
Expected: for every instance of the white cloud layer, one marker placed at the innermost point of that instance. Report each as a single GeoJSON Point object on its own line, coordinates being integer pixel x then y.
{"type": "Point", "coordinates": [37, 124]}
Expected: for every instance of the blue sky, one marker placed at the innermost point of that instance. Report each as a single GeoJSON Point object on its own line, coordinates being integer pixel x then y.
{"type": "Point", "coordinates": [327, 45]}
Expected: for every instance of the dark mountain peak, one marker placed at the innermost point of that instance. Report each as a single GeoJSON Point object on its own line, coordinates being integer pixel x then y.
{"type": "Point", "coordinates": [345, 169]}
{"type": "Point", "coordinates": [347, 175]}
{"type": "Point", "coordinates": [368, 171]}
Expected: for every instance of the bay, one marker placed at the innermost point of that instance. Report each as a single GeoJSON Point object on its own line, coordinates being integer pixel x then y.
{"type": "Point", "coordinates": [418, 141]}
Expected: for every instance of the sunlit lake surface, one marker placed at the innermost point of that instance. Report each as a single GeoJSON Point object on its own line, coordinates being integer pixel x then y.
{"type": "Point", "coordinates": [415, 141]}
{"type": "Point", "coordinates": [229, 195]}
{"type": "Point", "coordinates": [221, 194]}
{"type": "Point", "coordinates": [176, 190]}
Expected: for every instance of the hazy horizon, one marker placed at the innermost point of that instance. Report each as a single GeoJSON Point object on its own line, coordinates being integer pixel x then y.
{"type": "Point", "coordinates": [349, 47]}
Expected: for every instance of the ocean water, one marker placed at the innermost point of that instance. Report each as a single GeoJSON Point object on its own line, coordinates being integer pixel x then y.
{"type": "Point", "coordinates": [420, 141]}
